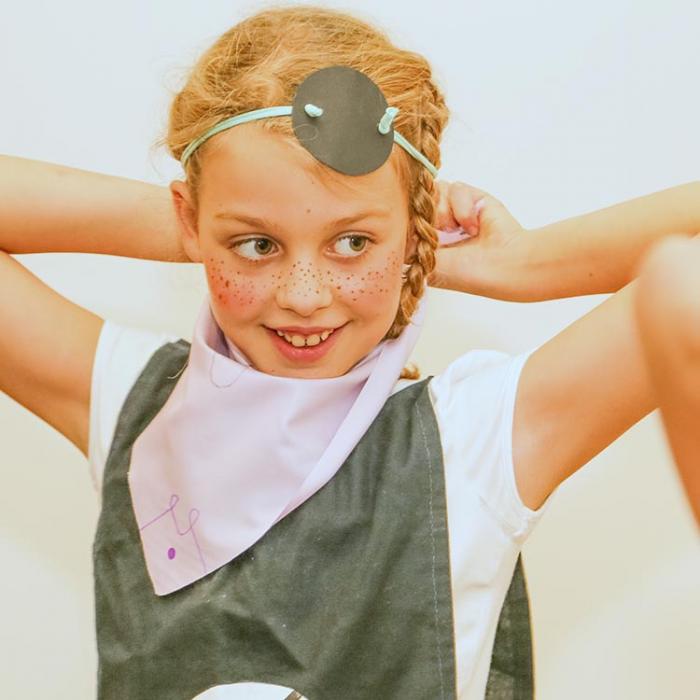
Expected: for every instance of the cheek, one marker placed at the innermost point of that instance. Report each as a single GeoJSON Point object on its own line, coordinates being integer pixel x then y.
{"type": "Point", "coordinates": [372, 289]}
{"type": "Point", "coordinates": [235, 292]}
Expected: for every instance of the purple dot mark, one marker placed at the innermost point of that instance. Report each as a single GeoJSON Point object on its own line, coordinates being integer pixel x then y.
{"type": "Point", "coordinates": [171, 553]}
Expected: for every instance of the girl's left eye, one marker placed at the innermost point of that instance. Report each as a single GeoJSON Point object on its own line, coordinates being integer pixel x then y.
{"type": "Point", "coordinates": [258, 248]}
{"type": "Point", "coordinates": [356, 244]}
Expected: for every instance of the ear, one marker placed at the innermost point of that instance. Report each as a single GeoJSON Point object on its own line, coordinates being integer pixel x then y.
{"type": "Point", "coordinates": [187, 219]}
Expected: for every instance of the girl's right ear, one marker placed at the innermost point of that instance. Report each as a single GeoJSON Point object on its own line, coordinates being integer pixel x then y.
{"type": "Point", "coordinates": [186, 218]}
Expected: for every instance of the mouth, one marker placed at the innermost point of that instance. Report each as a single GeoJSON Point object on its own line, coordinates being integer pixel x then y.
{"type": "Point", "coordinates": [309, 347]}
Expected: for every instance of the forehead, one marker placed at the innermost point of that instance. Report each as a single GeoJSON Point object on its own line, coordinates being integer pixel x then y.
{"type": "Point", "coordinates": [252, 165]}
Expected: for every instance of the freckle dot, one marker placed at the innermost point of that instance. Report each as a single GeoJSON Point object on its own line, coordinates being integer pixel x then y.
{"type": "Point", "coordinates": [171, 553]}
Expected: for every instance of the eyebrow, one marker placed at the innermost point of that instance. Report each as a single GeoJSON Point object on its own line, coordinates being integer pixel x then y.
{"type": "Point", "coordinates": [271, 225]}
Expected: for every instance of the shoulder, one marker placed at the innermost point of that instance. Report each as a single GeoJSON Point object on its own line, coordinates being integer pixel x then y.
{"type": "Point", "coordinates": [480, 364]}
{"type": "Point", "coordinates": [474, 401]}
{"type": "Point", "coordinates": [478, 380]}
{"type": "Point", "coordinates": [121, 355]}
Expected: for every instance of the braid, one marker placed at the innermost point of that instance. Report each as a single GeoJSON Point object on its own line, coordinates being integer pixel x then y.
{"type": "Point", "coordinates": [422, 208]}
{"type": "Point", "coordinates": [422, 262]}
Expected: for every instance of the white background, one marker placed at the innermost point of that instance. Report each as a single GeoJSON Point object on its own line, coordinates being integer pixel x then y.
{"type": "Point", "coordinates": [559, 108]}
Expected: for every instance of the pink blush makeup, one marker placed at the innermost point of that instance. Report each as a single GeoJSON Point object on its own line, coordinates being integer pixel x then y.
{"type": "Point", "coordinates": [365, 290]}
{"type": "Point", "coordinates": [234, 290]}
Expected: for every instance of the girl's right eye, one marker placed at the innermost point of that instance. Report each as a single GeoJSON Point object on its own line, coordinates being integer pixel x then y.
{"type": "Point", "coordinates": [261, 246]}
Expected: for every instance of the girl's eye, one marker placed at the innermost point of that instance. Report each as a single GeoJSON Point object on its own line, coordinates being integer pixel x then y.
{"type": "Point", "coordinates": [257, 248]}
{"type": "Point", "coordinates": [356, 244]}
{"type": "Point", "coordinates": [254, 248]}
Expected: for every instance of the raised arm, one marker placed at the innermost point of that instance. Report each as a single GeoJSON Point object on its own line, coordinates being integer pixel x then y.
{"type": "Point", "coordinates": [51, 208]}
{"type": "Point", "coordinates": [594, 253]}
{"type": "Point", "coordinates": [601, 251]}
{"type": "Point", "coordinates": [589, 384]}
{"type": "Point", "coordinates": [49, 343]}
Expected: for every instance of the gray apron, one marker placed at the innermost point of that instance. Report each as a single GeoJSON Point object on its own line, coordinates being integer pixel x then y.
{"type": "Point", "coordinates": [346, 598]}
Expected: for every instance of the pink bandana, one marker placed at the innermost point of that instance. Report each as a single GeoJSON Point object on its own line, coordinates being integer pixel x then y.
{"type": "Point", "coordinates": [233, 450]}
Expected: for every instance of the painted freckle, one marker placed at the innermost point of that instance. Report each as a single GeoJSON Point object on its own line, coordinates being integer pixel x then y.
{"type": "Point", "coordinates": [171, 553]}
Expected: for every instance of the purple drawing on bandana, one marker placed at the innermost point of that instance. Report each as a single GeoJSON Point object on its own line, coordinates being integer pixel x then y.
{"type": "Point", "coordinates": [192, 517]}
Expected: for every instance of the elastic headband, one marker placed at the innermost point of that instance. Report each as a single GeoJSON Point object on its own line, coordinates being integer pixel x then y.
{"type": "Point", "coordinates": [340, 116]}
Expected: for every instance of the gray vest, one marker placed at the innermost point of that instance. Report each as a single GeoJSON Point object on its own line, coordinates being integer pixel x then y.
{"type": "Point", "coordinates": [346, 598]}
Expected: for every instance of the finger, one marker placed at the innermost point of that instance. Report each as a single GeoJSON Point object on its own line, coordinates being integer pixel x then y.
{"type": "Point", "coordinates": [443, 216]}
{"type": "Point", "coordinates": [479, 206]}
{"type": "Point", "coordinates": [462, 198]}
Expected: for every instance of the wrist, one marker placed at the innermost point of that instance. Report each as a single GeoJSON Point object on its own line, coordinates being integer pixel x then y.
{"type": "Point", "coordinates": [523, 272]}
{"type": "Point", "coordinates": [500, 271]}
{"type": "Point", "coordinates": [528, 269]}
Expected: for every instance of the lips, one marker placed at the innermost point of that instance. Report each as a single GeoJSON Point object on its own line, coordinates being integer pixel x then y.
{"type": "Point", "coordinates": [298, 340]}
{"type": "Point", "coordinates": [302, 351]}
{"type": "Point", "coordinates": [300, 330]}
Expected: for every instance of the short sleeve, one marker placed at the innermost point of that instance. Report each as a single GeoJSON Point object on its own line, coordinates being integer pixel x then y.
{"type": "Point", "coordinates": [121, 354]}
{"type": "Point", "coordinates": [474, 400]}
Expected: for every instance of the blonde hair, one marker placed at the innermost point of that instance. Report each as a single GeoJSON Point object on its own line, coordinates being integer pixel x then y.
{"type": "Point", "coordinates": [260, 62]}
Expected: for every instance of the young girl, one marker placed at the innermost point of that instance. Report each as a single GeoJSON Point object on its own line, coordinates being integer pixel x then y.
{"type": "Point", "coordinates": [278, 507]}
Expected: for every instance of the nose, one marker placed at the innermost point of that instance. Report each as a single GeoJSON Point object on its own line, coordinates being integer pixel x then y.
{"type": "Point", "coordinates": [304, 289]}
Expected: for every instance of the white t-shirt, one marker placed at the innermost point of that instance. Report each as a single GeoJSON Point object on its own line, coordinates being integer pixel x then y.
{"type": "Point", "coordinates": [473, 399]}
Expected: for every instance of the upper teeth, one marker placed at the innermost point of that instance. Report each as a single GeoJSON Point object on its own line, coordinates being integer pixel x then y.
{"type": "Point", "coordinates": [299, 341]}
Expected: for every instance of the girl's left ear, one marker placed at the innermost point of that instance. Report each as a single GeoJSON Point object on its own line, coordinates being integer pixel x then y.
{"type": "Point", "coordinates": [187, 219]}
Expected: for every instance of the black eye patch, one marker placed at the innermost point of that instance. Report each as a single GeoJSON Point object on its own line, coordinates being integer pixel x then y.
{"type": "Point", "coordinates": [345, 134]}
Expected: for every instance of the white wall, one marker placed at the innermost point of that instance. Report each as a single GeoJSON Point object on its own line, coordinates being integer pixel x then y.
{"type": "Point", "coordinates": [558, 108]}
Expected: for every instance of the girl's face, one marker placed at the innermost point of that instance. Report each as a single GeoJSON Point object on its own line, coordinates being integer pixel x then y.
{"type": "Point", "coordinates": [288, 252]}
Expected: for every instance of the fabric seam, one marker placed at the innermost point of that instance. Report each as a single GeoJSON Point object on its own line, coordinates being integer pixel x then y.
{"type": "Point", "coordinates": [432, 545]}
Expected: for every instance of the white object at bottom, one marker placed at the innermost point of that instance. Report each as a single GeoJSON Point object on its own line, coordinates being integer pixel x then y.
{"type": "Point", "coordinates": [249, 691]}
